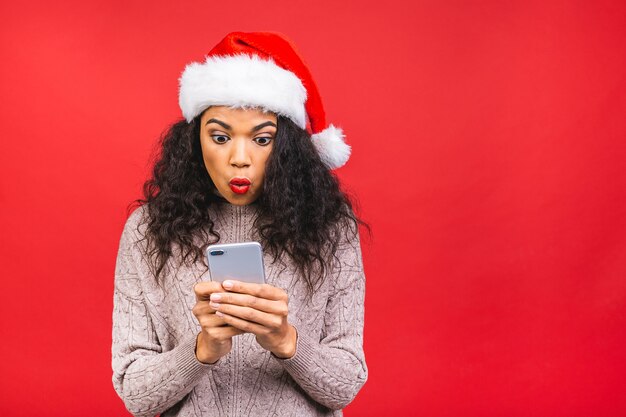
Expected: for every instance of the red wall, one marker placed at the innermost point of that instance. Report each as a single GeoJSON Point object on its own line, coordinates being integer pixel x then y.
{"type": "Point", "coordinates": [489, 149]}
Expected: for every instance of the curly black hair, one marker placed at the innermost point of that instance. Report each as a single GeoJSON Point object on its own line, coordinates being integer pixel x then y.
{"type": "Point", "coordinates": [301, 211]}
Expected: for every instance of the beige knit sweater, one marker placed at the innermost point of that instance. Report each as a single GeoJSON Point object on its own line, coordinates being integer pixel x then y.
{"type": "Point", "coordinates": [155, 370]}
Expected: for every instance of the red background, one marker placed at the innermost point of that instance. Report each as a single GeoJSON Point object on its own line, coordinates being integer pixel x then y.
{"type": "Point", "coordinates": [488, 156]}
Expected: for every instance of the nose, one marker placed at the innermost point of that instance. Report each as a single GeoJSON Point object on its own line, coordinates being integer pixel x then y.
{"type": "Point", "coordinates": [239, 156]}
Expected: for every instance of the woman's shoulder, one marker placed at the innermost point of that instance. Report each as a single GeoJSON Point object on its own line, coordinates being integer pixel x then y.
{"type": "Point", "coordinates": [136, 224]}
{"type": "Point", "coordinates": [347, 232]}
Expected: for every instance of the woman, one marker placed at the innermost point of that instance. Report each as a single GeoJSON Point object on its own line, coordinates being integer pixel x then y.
{"type": "Point", "coordinates": [242, 167]}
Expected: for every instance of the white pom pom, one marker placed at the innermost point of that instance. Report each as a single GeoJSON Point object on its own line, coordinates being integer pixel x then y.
{"type": "Point", "coordinates": [330, 144]}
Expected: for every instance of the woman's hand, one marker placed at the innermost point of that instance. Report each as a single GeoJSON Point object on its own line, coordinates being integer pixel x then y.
{"type": "Point", "coordinates": [260, 309]}
{"type": "Point", "coordinates": [215, 339]}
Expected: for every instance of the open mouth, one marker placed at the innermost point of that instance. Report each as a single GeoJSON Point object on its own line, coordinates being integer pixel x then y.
{"type": "Point", "coordinates": [239, 185]}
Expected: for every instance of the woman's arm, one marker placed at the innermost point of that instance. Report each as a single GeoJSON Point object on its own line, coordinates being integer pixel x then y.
{"type": "Point", "coordinates": [333, 369]}
{"type": "Point", "coordinates": [148, 380]}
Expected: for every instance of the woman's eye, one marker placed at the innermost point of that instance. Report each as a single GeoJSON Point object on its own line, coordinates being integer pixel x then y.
{"type": "Point", "coordinates": [263, 141]}
{"type": "Point", "coordinates": [220, 138]}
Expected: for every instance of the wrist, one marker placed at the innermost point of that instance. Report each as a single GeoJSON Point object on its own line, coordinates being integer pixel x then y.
{"type": "Point", "coordinates": [201, 355]}
{"type": "Point", "coordinates": [288, 348]}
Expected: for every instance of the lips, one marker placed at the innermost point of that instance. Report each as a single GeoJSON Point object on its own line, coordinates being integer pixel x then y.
{"type": "Point", "coordinates": [239, 185]}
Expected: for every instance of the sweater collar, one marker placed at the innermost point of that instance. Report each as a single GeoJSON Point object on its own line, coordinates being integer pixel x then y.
{"type": "Point", "coordinates": [226, 208]}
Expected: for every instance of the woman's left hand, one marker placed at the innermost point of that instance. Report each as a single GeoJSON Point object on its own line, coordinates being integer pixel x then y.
{"type": "Point", "coordinates": [260, 309]}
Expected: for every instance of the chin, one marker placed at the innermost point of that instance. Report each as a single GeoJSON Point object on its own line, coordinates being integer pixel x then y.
{"type": "Point", "coordinates": [239, 200]}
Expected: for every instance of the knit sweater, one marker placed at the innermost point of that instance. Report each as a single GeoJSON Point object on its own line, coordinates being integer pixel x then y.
{"type": "Point", "coordinates": [156, 371]}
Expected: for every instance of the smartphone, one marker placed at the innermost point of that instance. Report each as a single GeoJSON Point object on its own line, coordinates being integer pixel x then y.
{"type": "Point", "coordinates": [237, 261]}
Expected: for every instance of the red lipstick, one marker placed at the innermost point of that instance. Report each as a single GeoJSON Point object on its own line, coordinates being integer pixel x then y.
{"type": "Point", "coordinates": [239, 185]}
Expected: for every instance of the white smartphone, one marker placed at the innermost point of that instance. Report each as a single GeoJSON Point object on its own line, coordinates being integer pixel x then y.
{"type": "Point", "coordinates": [237, 261]}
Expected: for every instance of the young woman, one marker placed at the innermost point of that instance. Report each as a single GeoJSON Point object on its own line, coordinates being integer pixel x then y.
{"type": "Point", "coordinates": [241, 167]}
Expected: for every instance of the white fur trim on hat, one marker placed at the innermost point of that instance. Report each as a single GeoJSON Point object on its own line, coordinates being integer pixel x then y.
{"type": "Point", "coordinates": [241, 81]}
{"type": "Point", "coordinates": [330, 144]}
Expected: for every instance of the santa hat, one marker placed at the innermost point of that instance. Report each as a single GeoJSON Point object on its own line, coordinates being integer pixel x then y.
{"type": "Point", "coordinates": [262, 69]}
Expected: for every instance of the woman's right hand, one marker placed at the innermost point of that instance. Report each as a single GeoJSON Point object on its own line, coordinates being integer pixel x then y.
{"type": "Point", "coordinates": [215, 339]}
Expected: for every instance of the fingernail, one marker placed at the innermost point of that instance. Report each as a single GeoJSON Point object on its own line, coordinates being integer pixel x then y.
{"type": "Point", "coordinates": [216, 297]}
{"type": "Point", "coordinates": [214, 305]}
{"type": "Point", "coordinates": [219, 313]}
{"type": "Point", "coordinates": [227, 284]}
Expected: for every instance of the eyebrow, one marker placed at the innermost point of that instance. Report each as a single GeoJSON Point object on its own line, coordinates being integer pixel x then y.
{"type": "Point", "coordinates": [228, 127]}
{"type": "Point", "coordinates": [219, 122]}
{"type": "Point", "coordinates": [262, 125]}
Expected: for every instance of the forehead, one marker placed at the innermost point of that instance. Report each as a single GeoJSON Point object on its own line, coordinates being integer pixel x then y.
{"type": "Point", "coordinates": [238, 115]}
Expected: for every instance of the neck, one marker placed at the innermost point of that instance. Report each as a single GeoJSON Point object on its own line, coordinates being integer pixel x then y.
{"type": "Point", "coordinates": [223, 205]}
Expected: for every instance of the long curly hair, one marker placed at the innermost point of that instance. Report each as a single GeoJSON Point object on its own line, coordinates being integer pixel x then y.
{"type": "Point", "coordinates": [301, 212]}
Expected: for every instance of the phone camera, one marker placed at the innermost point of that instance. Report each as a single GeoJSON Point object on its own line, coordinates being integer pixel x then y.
{"type": "Point", "coordinates": [216, 252]}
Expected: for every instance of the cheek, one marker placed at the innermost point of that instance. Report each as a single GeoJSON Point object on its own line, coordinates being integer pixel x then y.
{"type": "Point", "coordinates": [212, 160]}
{"type": "Point", "coordinates": [262, 163]}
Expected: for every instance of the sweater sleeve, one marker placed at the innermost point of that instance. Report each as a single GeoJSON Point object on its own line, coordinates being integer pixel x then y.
{"type": "Point", "coordinates": [148, 380]}
{"type": "Point", "coordinates": [333, 370]}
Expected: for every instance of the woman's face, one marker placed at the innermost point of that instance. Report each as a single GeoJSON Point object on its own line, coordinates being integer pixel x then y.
{"type": "Point", "coordinates": [235, 146]}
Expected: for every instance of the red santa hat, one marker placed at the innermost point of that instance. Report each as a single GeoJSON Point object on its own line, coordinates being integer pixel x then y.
{"type": "Point", "coordinates": [262, 69]}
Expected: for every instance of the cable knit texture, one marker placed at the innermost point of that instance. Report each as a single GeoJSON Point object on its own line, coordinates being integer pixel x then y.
{"type": "Point", "coordinates": [155, 370]}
